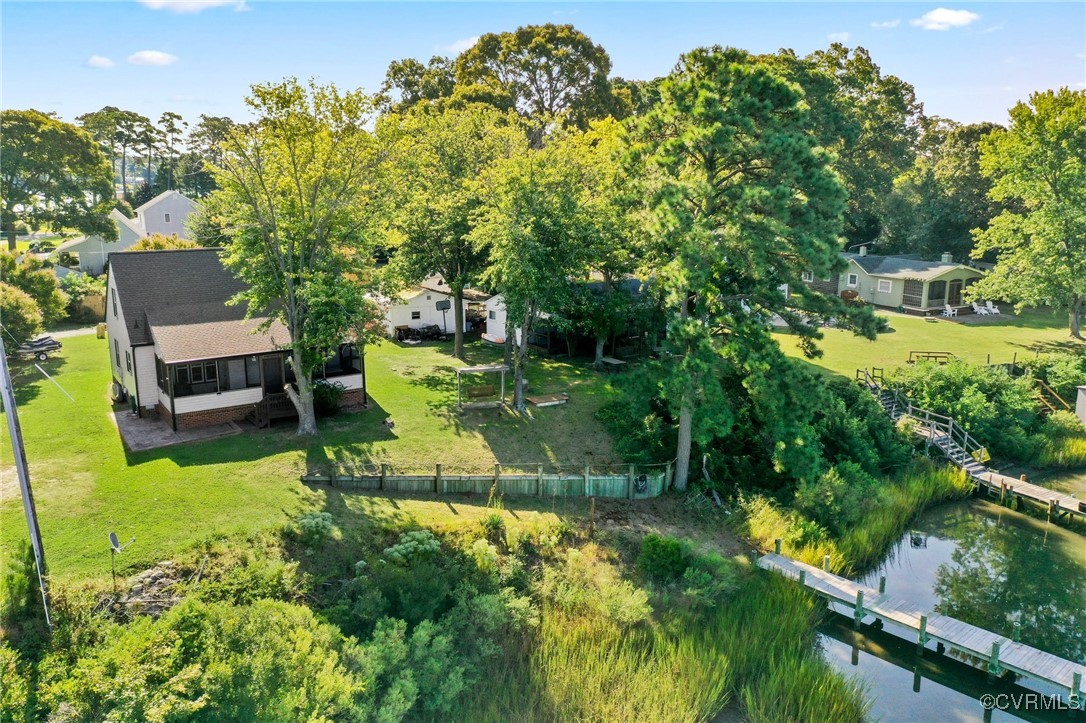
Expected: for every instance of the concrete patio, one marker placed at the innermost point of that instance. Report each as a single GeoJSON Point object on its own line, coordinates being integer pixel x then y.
{"type": "Point", "coordinates": [140, 434]}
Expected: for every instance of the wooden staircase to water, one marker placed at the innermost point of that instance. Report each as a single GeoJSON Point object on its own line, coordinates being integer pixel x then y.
{"type": "Point", "coordinates": [958, 445]}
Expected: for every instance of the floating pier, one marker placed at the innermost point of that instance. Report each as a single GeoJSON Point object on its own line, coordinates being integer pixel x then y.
{"type": "Point", "coordinates": [995, 653]}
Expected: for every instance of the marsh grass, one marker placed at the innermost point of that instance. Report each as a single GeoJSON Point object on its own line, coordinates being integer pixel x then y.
{"type": "Point", "coordinates": [684, 667]}
{"type": "Point", "coordinates": [901, 499]}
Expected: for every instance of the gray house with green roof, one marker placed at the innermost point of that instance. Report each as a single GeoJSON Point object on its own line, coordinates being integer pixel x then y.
{"type": "Point", "coordinates": [901, 282]}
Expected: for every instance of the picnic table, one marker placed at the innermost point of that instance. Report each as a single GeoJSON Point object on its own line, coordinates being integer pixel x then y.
{"type": "Point", "coordinates": [612, 364]}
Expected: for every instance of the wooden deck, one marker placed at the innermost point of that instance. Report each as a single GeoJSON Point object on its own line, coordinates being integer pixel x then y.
{"type": "Point", "coordinates": [994, 653]}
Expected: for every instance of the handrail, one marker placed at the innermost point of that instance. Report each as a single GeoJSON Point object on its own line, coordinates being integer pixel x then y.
{"type": "Point", "coordinates": [933, 421]}
{"type": "Point", "coordinates": [1045, 389]}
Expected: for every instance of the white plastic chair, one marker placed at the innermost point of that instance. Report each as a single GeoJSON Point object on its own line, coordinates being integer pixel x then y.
{"type": "Point", "coordinates": [949, 311]}
{"type": "Point", "coordinates": [978, 309]}
{"type": "Point", "coordinates": [992, 308]}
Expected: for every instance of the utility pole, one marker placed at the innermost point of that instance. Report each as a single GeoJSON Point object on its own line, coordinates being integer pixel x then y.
{"type": "Point", "coordinates": [19, 454]}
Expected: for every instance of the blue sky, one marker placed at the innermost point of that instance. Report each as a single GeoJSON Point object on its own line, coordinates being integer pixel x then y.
{"type": "Point", "coordinates": [968, 61]}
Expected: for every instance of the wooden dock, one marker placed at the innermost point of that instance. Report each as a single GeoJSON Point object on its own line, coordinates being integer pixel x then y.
{"type": "Point", "coordinates": [994, 653]}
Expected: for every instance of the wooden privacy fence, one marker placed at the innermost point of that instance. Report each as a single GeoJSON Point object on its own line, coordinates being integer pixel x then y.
{"type": "Point", "coordinates": [633, 482]}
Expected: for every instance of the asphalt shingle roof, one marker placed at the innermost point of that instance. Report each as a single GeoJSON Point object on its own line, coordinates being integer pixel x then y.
{"type": "Point", "coordinates": [899, 267]}
{"type": "Point", "coordinates": [177, 298]}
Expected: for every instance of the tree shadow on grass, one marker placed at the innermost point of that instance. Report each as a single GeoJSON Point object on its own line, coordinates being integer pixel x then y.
{"type": "Point", "coordinates": [27, 381]}
{"type": "Point", "coordinates": [1052, 346]}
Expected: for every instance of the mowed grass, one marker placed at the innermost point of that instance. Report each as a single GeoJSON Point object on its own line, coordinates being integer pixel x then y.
{"type": "Point", "coordinates": [1025, 335]}
{"type": "Point", "coordinates": [86, 485]}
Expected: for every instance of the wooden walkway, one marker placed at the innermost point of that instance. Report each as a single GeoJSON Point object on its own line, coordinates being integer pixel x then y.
{"type": "Point", "coordinates": [994, 653]}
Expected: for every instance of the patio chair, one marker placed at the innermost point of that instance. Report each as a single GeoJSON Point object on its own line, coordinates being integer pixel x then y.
{"type": "Point", "coordinates": [992, 308]}
{"type": "Point", "coordinates": [949, 311]}
{"type": "Point", "coordinates": [978, 309]}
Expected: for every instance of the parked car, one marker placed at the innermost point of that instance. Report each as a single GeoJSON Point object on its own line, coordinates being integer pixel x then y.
{"type": "Point", "coordinates": [42, 247]}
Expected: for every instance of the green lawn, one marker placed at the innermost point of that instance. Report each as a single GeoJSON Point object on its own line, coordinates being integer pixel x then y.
{"type": "Point", "coordinates": [86, 485]}
{"type": "Point", "coordinates": [1000, 340]}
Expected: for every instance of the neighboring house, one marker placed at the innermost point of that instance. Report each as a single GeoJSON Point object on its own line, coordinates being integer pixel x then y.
{"type": "Point", "coordinates": [416, 306]}
{"type": "Point", "coordinates": [166, 213]}
{"type": "Point", "coordinates": [495, 327]}
{"type": "Point", "coordinates": [179, 351]}
{"type": "Point", "coordinates": [901, 281]}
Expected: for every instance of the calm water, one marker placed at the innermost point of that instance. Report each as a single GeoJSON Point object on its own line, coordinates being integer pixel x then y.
{"type": "Point", "coordinates": [985, 565]}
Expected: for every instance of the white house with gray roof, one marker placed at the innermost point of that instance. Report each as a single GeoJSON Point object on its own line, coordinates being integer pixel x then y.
{"type": "Point", "coordinates": [901, 281]}
{"type": "Point", "coordinates": [167, 214]}
{"type": "Point", "coordinates": [179, 351]}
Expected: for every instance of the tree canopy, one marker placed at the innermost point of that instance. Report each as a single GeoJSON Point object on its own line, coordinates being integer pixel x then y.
{"type": "Point", "coordinates": [52, 173]}
{"type": "Point", "coordinates": [30, 274]}
{"type": "Point", "coordinates": [740, 200]}
{"type": "Point", "coordinates": [1039, 165]}
{"type": "Point", "coordinates": [298, 193]}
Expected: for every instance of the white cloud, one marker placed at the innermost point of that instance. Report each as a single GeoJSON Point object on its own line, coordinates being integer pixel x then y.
{"type": "Point", "coordinates": [461, 45]}
{"type": "Point", "coordinates": [992, 29]}
{"type": "Point", "coordinates": [152, 57]}
{"type": "Point", "coordinates": [99, 61]}
{"type": "Point", "coordinates": [945, 19]}
{"type": "Point", "coordinates": [193, 6]}
{"type": "Point", "coordinates": [839, 37]}
{"type": "Point", "coordinates": [886, 24]}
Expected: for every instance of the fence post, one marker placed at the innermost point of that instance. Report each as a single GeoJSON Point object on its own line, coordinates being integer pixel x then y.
{"type": "Point", "coordinates": [667, 477]}
{"type": "Point", "coordinates": [497, 477]}
{"type": "Point", "coordinates": [439, 485]}
{"type": "Point", "coordinates": [587, 475]}
{"type": "Point", "coordinates": [539, 481]}
{"type": "Point", "coordinates": [630, 482]}
{"type": "Point", "coordinates": [384, 473]}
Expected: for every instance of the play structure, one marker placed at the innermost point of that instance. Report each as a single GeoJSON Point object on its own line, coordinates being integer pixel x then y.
{"type": "Point", "coordinates": [481, 395]}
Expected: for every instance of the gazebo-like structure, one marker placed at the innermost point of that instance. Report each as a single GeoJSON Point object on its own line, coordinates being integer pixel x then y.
{"type": "Point", "coordinates": [475, 392]}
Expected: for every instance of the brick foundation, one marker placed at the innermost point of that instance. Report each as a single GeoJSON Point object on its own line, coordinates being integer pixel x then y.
{"type": "Point", "coordinates": [353, 398]}
{"type": "Point", "coordinates": [163, 413]}
{"type": "Point", "coordinates": [208, 417]}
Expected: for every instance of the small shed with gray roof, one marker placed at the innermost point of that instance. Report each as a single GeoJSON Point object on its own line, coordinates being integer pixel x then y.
{"type": "Point", "coordinates": [178, 349]}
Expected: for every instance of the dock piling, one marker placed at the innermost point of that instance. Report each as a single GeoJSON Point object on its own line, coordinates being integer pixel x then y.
{"type": "Point", "coordinates": [922, 636]}
{"type": "Point", "coordinates": [858, 611]}
{"type": "Point", "coordinates": [882, 584]}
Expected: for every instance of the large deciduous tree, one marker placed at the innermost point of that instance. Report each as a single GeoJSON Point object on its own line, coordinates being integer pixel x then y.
{"type": "Point", "coordinates": [1039, 165]}
{"type": "Point", "coordinates": [20, 317]}
{"type": "Point", "coordinates": [52, 173]}
{"type": "Point", "coordinates": [739, 201]}
{"type": "Point", "coordinates": [298, 192]}
{"type": "Point", "coordinates": [543, 71]}
{"type": "Point", "coordinates": [536, 224]}
{"type": "Point", "coordinates": [437, 159]}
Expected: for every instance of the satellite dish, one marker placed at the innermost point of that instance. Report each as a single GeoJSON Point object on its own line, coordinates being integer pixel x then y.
{"type": "Point", "coordinates": [114, 542]}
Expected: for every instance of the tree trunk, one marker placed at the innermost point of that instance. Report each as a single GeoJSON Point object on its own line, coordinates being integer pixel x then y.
{"type": "Point", "coordinates": [9, 232]}
{"type": "Point", "coordinates": [508, 346]}
{"type": "Point", "coordinates": [1075, 317]}
{"type": "Point", "coordinates": [682, 453]}
{"type": "Point", "coordinates": [686, 421]}
{"type": "Point", "coordinates": [458, 323]}
{"type": "Point", "coordinates": [302, 398]}
{"type": "Point", "coordinates": [600, 341]}
{"type": "Point", "coordinates": [519, 356]}
{"type": "Point", "coordinates": [124, 171]}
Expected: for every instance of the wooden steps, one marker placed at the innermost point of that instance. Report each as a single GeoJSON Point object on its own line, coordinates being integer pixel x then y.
{"type": "Point", "coordinates": [548, 400]}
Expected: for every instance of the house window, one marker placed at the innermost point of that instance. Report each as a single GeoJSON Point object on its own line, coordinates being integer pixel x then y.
{"type": "Point", "coordinates": [196, 378]}
{"type": "Point", "coordinates": [128, 360]}
{"type": "Point", "coordinates": [114, 291]}
{"type": "Point", "coordinates": [416, 314]}
{"type": "Point", "coordinates": [346, 360]}
{"type": "Point", "coordinates": [853, 280]}
{"type": "Point", "coordinates": [913, 293]}
{"type": "Point", "coordinates": [427, 297]}
{"type": "Point", "coordinates": [808, 276]}
{"type": "Point", "coordinates": [117, 352]}
{"type": "Point", "coordinates": [885, 286]}
{"type": "Point", "coordinates": [252, 372]}
{"type": "Point", "coordinates": [936, 292]}
{"type": "Point", "coordinates": [167, 218]}
{"type": "Point", "coordinates": [492, 314]}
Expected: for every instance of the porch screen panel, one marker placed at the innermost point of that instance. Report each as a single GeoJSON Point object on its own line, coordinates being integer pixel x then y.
{"type": "Point", "coordinates": [913, 294]}
{"type": "Point", "coordinates": [936, 293]}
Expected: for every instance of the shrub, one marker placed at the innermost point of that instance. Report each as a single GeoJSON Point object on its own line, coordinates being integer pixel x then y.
{"type": "Point", "coordinates": [585, 585]}
{"type": "Point", "coordinates": [1064, 372]}
{"type": "Point", "coordinates": [494, 528]}
{"type": "Point", "coordinates": [314, 528]}
{"type": "Point", "coordinates": [838, 498]}
{"type": "Point", "coordinates": [22, 617]}
{"type": "Point", "coordinates": [22, 319]}
{"type": "Point", "coordinates": [15, 690]}
{"type": "Point", "coordinates": [662, 558]}
{"type": "Point", "coordinates": [33, 276]}
{"type": "Point", "coordinates": [413, 547]}
{"type": "Point", "coordinates": [327, 397]}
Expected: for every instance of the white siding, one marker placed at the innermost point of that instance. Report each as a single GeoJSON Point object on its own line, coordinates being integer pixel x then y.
{"type": "Point", "coordinates": [496, 327]}
{"type": "Point", "coordinates": [94, 252]}
{"type": "Point", "coordinates": [146, 375]}
{"type": "Point", "coordinates": [204, 402]}
{"type": "Point", "coordinates": [117, 336]}
{"type": "Point", "coordinates": [425, 303]}
{"type": "Point", "coordinates": [153, 217]}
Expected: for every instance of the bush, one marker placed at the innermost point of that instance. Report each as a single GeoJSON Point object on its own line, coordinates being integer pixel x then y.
{"type": "Point", "coordinates": [314, 528]}
{"type": "Point", "coordinates": [327, 397]}
{"type": "Point", "coordinates": [838, 498]}
{"type": "Point", "coordinates": [15, 690]}
{"type": "Point", "coordinates": [662, 558]}
{"type": "Point", "coordinates": [1064, 372]}
{"type": "Point", "coordinates": [33, 276]}
{"type": "Point", "coordinates": [22, 319]}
